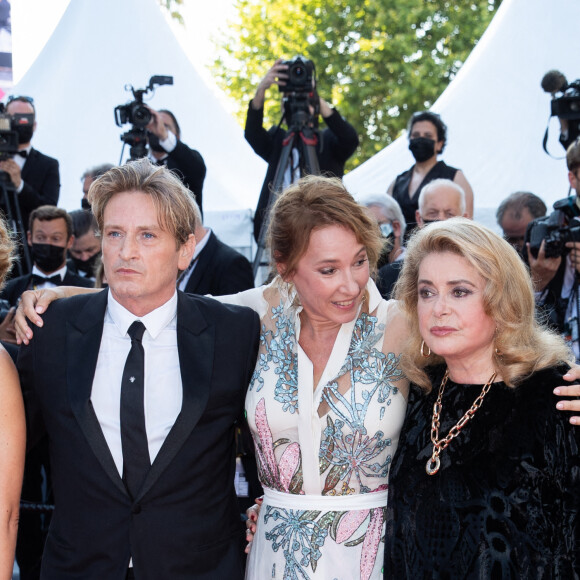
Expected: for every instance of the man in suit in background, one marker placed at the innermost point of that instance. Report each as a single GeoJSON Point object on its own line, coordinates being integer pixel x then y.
{"type": "Point", "coordinates": [35, 176]}
{"type": "Point", "coordinates": [216, 268]}
{"type": "Point", "coordinates": [140, 398]}
{"type": "Point", "coordinates": [49, 237]}
{"type": "Point", "coordinates": [87, 179]}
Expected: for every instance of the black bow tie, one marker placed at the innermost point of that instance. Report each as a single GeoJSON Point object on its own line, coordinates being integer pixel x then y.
{"type": "Point", "coordinates": [37, 280]}
{"type": "Point", "coordinates": [22, 153]}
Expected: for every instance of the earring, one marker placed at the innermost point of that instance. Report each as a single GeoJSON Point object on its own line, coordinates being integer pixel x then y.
{"type": "Point", "coordinates": [498, 353]}
{"type": "Point", "coordinates": [423, 350]}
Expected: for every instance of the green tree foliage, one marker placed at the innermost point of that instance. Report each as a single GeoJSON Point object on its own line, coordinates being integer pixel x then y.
{"type": "Point", "coordinates": [377, 61]}
{"type": "Point", "coordinates": [173, 7]}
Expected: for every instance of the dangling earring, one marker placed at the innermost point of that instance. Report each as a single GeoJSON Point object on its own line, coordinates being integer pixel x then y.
{"type": "Point", "coordinates": [423, 350]}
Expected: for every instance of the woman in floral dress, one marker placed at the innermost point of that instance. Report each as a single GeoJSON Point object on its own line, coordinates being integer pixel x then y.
{"type": "Point", "coordinates": [327, 399]}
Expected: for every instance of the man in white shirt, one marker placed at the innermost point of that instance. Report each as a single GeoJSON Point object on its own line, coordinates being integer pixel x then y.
{"type": "Point", "coordinates": [140, 399]}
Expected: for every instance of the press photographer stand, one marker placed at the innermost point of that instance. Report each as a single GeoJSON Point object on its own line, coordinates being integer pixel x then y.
{"type": "Point", "coordinates": [304, 139]}
{"type": "Point", "coordinates": [11, 207]}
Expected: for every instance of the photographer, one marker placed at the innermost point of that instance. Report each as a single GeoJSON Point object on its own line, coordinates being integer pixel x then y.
{"type": "Point", "coordinates": [556, 278]}
{"type": "Point", "coordinates": [34, 176]}
{"type": "Point", "coordinates": [165, 148]}
{"type": "Point", "coordinates": [334, 146]}
{"type": "Point", "coordinates": [565, 99]}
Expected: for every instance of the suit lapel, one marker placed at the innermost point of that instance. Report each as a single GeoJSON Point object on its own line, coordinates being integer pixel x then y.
{"type": "Point", "coordinates": [83, 342]}
{"type": "Point", "coordinates": [195, 345]}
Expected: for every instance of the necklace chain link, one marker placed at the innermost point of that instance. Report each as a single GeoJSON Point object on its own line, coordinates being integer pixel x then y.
{"type": "Point", "coordinates": [439, 445]}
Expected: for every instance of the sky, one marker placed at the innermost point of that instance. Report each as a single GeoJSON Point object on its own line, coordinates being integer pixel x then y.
{"type": "Point", "coordinates": [33, 21]}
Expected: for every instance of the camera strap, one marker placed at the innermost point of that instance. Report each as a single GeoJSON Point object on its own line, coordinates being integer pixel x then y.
{"type": "Point", "coordinates": [545, 142]}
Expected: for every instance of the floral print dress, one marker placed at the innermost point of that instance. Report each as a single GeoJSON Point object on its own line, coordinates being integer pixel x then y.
{"type": "Point", "coordinates": [324, 476]}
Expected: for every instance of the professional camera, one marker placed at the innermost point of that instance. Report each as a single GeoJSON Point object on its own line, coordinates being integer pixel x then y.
{"type": "Point", "coordinates": [300, 93]}
{"type": "Point", "coordinates": [301, 73]}
{"type": "Point", "coordinates": [565, 102]}
{"type": "Point", "coordinates": [557, 229]}
{"type": "Point", "coordinates": [9, 125]}
{"type": "Point", "coordinates": [138, 115]}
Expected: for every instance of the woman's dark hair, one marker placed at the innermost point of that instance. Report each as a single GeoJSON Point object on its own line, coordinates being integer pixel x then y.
{"type": "Point", "coordinates": [432, 118]}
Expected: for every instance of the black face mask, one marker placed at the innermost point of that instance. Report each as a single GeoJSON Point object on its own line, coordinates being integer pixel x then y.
{"type": "Point", "coordinates": [47, 257]}
{"type": "Point", "coordinates": [87, 266]}
{"type": "Point", "coordinates": [85, 203]}
{"type": "Point", "coordinates": [422, 148]}
{"type": "Point", "coordinates": [154, 143]}
{"type": "Point", "coordinates": [24, 134]}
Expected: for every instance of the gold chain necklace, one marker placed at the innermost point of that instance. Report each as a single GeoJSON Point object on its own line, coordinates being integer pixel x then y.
{"type": "Point", "coordinates": [439, 445]}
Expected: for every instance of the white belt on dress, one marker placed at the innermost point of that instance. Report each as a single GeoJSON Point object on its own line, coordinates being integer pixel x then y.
{"type": "Point", "coordinates": [343, 503]}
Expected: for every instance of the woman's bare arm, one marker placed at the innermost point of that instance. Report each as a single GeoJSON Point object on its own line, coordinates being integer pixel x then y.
{"type": "Point", "coordinates": [12, 449]}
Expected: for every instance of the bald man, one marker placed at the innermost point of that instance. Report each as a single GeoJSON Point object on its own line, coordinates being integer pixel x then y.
{"type": "Point", "coordinates": [440, 200]}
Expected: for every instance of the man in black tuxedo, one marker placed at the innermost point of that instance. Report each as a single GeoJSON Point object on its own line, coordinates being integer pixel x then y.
{"type": "Point", "coordinates": [35, 176]}
{"type": "Point", "coordinates": [140, 399]}
{"type": "Point", "coordinates": [216, 268]}
{"type": "Point", "coordinates": [336, 143]}
{"type": "Point", "coordinates": [166, 148]}
{"type": "Point", "coordinates": [49, 237]}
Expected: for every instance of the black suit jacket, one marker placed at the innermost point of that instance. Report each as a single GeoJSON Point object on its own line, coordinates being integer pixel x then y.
{"type": "Point", "coordinates": [184, 523]}
{"type": "Point", "coordinates": [41, 183]}
{"type": "Point", "coordinates": [335, 145]}
{"type": "Point", "coordinates": [15, 288]}
{"type": "Point", "coordinates": [220, 270]}
{"type": "Point", "coordinates": [188, 164]}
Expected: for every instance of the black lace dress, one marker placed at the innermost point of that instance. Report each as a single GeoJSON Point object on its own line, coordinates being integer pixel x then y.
{"type": "Point", "coordinates": [505, 501]}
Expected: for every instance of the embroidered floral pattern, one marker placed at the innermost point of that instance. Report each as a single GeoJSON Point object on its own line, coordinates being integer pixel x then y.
{"type": "Point", "coordinates": [301, 535]}
{"type": "Point", "coordinates": [279, 348]}
{"type": "Point", "coordinates": [285, 475]}
{"type": "Point", "coordinates": [354, 456]}
{"type": "Point", "coordinates": [347, 449]}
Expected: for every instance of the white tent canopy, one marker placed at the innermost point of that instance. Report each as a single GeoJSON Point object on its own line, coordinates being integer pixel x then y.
{"type": "Point", "coordinates": [496, 111]}
{"type": "Point", "coordinates": [79, 78]}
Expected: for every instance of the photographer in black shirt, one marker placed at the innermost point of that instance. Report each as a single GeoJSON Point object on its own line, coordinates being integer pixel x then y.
{"type": "Point", "coordinates": [336, 143]}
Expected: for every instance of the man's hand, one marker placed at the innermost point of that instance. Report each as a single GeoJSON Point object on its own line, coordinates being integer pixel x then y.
{"type": "Point", "coordinates": [35, 302]}
{"type": "Point", "coordinates": [7, 331]}
{"type": "Point", "coordinates": [325, 109]}
{"type": "Point", "coordinates": [275, 76]}
{"type": "Point", "coordinates": [542, 269]}
{"type": "Point", "coordinates": [571, 404]}
{"type": "Point", "coordinates": [156, 125]}
{"type": "Point", "coordinates": [13, 170]}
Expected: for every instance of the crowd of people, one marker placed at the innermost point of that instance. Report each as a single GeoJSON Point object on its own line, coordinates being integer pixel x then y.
{"type": "Point", "coordinates": [402, 393]}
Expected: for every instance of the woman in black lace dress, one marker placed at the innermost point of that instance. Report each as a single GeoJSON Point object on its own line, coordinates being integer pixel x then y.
{"type": "Point", "coordinates": [486, 479]}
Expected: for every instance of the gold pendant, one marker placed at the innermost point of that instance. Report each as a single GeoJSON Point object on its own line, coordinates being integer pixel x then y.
{"type": "Point", "coordinates": [432, 466]}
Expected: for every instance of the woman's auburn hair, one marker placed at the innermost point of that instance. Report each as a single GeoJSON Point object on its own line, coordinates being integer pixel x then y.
{"type": "Point", "coordinates": [522, 344]}
{"type": "Point", "coordinates": [315, 202]}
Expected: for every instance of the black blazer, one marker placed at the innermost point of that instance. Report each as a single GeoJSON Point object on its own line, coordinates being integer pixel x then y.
{"type": "Point", "coordinates": [220, 270]}
{"type": "Point", "coordinates": [188, 164]}
{"type": "Point", "coordinates": [41, 183]}
{"type": "Point", "coordinates": [335, 145]}
{"type": "Point", "coordinates": [15, 288]}
{"type": "Point", "coordinates": [184, 523]}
